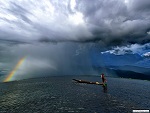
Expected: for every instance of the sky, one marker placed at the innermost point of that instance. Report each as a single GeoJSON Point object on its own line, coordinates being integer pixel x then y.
{"type": "Point", "coordinates": [61, 37]}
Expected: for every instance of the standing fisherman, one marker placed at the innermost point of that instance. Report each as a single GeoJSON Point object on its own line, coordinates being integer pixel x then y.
{"type": "Point", "coordinates": [103, 78]}
{"type": "Point", "coordinates": [104, 82]}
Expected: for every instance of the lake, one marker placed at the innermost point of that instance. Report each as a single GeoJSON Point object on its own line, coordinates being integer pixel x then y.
{"type": "Point", "coordinates": [61, 94]}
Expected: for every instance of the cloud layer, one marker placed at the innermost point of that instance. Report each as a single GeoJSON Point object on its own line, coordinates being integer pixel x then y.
{"type": "Point", "coordinates": [111, 23]}
{"type": "Point", "coordinates": [147, 54]}
{"type": "Point", "coordinates": [129, 49]}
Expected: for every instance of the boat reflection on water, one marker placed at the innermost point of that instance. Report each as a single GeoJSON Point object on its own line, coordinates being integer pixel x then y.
{"type": "Point", "coordinates": [105, 88]}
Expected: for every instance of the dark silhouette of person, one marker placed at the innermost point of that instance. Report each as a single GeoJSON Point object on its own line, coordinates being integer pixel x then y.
{"type": "Point", "coordinates": [103, 78]}
{"type": "Point", "coordinates": [104, 81]}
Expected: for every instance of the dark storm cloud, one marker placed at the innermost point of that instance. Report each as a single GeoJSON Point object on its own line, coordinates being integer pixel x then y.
{"type": "Point", "coordinates": [139, 5]}
{"type": "Point", "coordinates": [117, 21]}
{"type": "Point", "coordinates": [113, 22]}
{"type": "Point", "coordinates": [11, 42]}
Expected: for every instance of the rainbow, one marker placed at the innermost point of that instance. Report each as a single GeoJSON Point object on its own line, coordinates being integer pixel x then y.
{"type": "Point", "coordinates": [12, 73]}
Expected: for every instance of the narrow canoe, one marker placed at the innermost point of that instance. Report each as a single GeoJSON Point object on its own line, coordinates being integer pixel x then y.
{"type": "Point", "coordinates": [87, 82]}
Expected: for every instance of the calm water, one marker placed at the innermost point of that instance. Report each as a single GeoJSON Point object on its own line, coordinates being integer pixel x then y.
{"type": "Point", "coordinates": [61, 94]}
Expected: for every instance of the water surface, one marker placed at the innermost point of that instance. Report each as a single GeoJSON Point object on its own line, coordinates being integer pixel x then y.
{"type": "Point", "coordinates": [61, 94]}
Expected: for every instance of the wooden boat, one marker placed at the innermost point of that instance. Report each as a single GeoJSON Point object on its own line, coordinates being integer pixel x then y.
{"type": "Point", "coordinates": [88, 82]}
